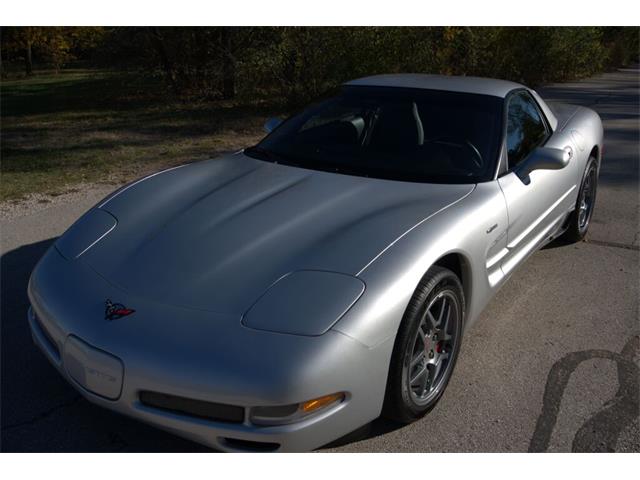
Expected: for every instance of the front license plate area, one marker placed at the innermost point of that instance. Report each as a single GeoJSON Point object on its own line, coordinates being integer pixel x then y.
{"type": "Point", "coordinates": [94, 370]}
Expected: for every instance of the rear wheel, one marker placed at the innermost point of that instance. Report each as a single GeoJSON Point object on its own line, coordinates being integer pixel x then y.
{"type": "Point", "coordinates": [426, 346]}
{"type": "Point", "coordinates": [581, 215]}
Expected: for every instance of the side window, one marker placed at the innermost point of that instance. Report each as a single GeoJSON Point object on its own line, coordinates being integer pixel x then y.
{"type": "Point", "coordinates": [525, 128]}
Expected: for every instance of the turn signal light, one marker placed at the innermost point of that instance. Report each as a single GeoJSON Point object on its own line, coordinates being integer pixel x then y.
{"type": "Point", "coordinates": [317, 403]}
{"type": "Point", "coordinates": [285, 414]}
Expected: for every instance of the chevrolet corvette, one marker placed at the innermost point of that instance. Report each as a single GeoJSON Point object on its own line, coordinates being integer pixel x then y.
{"type": "Point", "coordinates": [280, 297]}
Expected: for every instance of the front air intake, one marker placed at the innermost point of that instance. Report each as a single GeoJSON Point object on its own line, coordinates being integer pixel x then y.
{"type": "Point", "coordinates": [217, 412]}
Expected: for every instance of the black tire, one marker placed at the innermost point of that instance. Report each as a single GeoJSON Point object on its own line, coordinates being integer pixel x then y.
{"type": "Point", "coordinates": [579, 225]}
{"type": "Point", "coordinates": [402, 402]}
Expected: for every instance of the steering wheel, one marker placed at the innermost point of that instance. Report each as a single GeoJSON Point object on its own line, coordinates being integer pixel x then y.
{"type": "Point", "coordinates": [476, 157]}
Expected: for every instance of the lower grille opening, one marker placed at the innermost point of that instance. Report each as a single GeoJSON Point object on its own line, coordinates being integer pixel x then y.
{"type": "Point", "coordinates": [250, 446]}
{"type": "Point", "coordinates": [217, 412]}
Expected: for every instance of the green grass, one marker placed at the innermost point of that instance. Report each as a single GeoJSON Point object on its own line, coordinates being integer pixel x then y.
{"type": "Point", "coordinates": [84, 126]}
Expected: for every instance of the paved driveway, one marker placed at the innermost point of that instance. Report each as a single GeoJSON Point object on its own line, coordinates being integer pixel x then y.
{"type": "Point", "coordinates": [552, 366]}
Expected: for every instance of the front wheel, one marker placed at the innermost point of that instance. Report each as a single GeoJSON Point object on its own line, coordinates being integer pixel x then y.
{"type": "Point", "coordinates": [581, 215]}
{"type": "Point", "coordinates": [426, 346]}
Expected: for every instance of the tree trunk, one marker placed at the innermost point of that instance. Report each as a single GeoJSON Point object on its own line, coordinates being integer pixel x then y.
{"type": "Point", "coordinates": [228, 66]}
{"type": "Point", "coordinates": [161, 49]}
{"type": "Point", "coordinates": [28, 65]}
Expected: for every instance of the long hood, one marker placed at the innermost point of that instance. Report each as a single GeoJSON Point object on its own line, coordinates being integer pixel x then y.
{"type": "Point", "coordinates": [215, 235]}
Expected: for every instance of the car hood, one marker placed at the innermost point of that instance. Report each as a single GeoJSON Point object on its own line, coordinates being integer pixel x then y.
{"type": "Point", "coordinates": [214, 235]}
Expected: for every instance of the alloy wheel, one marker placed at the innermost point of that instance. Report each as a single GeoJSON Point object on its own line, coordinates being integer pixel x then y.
{"type": "Point", "coordinates": [587, 199]}
{"type": "Point", "coordinates": [430, 354]}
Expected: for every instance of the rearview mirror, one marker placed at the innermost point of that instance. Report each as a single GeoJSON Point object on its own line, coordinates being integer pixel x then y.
{"type": "Point", "coordinates": [544, 158]}
{"type": "Point", "coordinates": [271, 124]}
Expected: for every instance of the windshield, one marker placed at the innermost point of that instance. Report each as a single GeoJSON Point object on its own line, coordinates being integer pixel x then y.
{"type": "Point", "coordinates": [394, 133]}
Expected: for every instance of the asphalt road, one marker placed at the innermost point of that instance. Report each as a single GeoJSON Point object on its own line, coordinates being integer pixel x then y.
{"type": "Point", "coordinates": [551, 366]}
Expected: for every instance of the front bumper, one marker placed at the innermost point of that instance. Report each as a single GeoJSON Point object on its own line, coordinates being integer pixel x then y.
{"type": "Point", "coordinates": [197, 357]}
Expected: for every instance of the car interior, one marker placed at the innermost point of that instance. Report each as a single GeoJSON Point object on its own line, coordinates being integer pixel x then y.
{"type": "Point", "coordinates": [416, 140]}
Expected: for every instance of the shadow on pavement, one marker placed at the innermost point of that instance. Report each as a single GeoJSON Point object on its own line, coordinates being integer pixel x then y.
{"type": "Point", "coordinates": [379, 426]}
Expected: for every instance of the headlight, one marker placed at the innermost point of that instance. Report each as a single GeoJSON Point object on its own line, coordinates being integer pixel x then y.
{"type": "Point", "coordinates": [305, 302]}
{"type": "Point", "coordinates": [285, 414]}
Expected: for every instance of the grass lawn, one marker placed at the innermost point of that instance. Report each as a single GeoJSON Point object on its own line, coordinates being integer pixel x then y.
{"type": "Point", "coordinates": [93, 126]}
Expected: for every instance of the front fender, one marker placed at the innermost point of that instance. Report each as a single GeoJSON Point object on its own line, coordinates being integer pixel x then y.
{"type": "Point", "coordinates": [464, 229]}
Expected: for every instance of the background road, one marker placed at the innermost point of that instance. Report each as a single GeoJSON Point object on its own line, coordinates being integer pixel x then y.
{"type": "Point", "coordinates": [551, 366]}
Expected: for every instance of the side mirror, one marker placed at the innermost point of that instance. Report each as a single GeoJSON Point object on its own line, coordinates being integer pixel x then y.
{"type": "Point", "coordinates": [271, 124]}
{"type": "Point", "coordinates": [544, 158]}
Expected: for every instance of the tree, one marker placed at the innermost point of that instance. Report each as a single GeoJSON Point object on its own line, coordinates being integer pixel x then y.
{"type": "Point", "coordinates": [20, 41]}
{"type": "Point", "coordinates": [51, 45]}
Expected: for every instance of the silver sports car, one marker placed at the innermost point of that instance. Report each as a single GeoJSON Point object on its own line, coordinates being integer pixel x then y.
{"type": "Point", "coordinates": [278, 298]}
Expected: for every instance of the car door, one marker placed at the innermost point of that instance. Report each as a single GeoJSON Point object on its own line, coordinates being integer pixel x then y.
{"type": "Point", "coordinates": [538, 205]}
